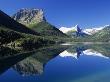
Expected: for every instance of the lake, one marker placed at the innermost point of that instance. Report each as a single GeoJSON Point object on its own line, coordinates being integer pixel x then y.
{"type": "Point", "coordinates": [58, 63]}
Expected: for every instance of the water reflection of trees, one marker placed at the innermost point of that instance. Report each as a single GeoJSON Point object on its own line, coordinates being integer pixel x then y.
{"type": "Point", "coordinates": [28, 62]}
{"type": "Point", "coordinates": [102, 48]}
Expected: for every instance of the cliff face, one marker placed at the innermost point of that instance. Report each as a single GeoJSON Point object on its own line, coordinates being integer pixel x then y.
{"type": "Point", "coordinates": [29, 16]}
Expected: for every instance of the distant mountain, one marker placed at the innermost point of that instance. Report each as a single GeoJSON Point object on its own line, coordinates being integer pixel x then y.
{"type": "Point", "coordinates": [103, 35]}
{"type": "Point", "coordinates": [7, 22]}
{"type": "Point", "coordinates": [35, 19]}
{"type": "Point", "coordinates": [92, 31]}
{"type": "Point", "coordinates": [89, 31]}
{"type": "Point", "coordinates": [73, 31]}
{"type": "Point", "coordinates": [100, 36]}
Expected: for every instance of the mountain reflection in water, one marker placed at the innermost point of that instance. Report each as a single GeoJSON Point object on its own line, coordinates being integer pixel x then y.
{"type": "Point", "coordinates": [83, 51]}
{"type": "Point", "coordinates": [28, 63]}
{"type": "Point", "coordinates": [58, 63]}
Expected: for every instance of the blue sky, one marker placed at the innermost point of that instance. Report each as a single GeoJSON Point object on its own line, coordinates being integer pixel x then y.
{"type": "Point", "coordinates": [86, 13]}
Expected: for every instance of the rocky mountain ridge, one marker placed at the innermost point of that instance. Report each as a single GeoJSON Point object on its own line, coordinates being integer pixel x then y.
{"type": "Point", "coordinates": [28, 16]}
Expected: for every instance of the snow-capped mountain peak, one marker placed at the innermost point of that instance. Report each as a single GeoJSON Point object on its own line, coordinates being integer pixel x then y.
{"type": "Point", "coordinates": [66, 29]}
{"type": "Point", "coordinates": [89, 31]}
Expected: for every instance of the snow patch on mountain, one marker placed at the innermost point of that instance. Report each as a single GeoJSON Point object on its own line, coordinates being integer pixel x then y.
{"type": "Point", "coordinates": [66, 29]}
{"type": "Point", "coordinates": [92, 31]}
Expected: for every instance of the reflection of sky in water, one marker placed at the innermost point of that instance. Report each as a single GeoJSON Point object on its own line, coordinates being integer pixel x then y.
{"type": "Point", "coordinates": [72, 69]}
{"type": "Point", "coordinates": [90, 66]}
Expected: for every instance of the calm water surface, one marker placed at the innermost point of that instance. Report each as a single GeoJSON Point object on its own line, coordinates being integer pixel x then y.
{"type": "Point", "coordinates": [75, 63]}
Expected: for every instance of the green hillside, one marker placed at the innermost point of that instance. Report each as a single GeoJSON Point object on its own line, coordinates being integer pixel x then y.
{"type": "Point", "coordinates": [46, 29]}
{"type": "Point", "coordinates": [103, 35]}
